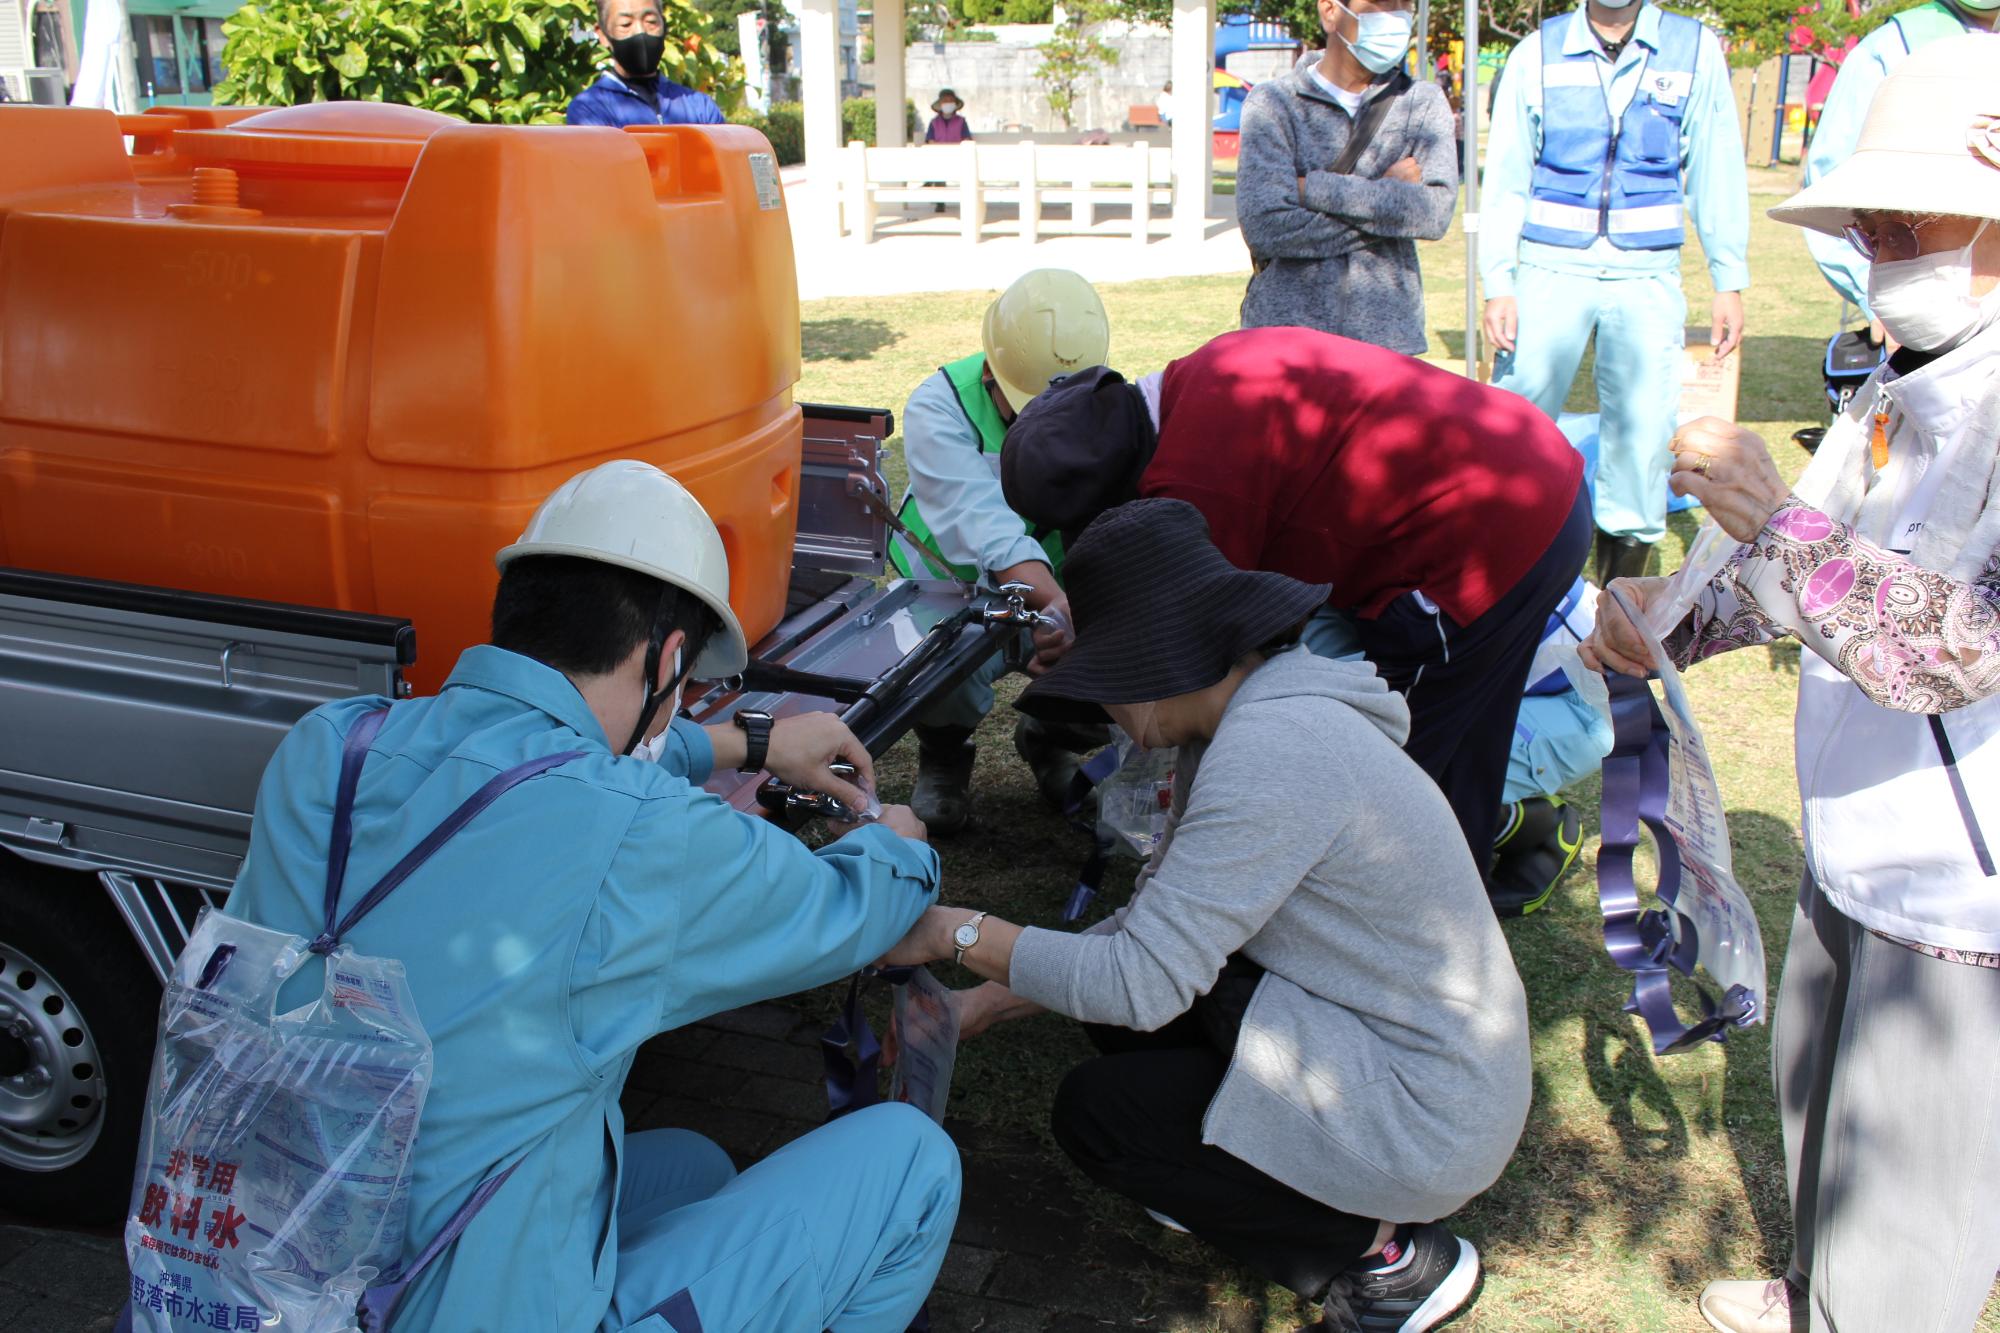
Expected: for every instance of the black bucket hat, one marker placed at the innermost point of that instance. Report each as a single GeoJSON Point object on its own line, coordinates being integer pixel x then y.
{"type": "Point", "coordinates": [1159, 611]}
{"type": "Point", "coordinates": [1077, 449]}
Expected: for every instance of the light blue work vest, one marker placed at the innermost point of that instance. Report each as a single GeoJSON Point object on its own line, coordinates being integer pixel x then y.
{"type": "Point", "coordinates": [1594, 178]}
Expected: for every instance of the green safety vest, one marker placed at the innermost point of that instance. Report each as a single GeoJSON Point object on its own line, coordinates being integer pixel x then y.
{"type": "Point", "coordinates": [1928, 23]}
{"type": "Point", "coordinates": [967, 378]}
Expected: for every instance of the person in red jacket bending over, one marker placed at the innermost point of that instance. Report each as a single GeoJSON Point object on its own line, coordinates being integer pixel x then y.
{"type": "Point", "coordinates": [1449, 517]}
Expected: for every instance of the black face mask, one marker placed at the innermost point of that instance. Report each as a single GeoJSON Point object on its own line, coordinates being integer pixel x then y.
{"type": "Point", "coordinates": [639, 54]}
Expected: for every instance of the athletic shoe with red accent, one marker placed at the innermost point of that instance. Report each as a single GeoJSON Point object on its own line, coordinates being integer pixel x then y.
{"type": "Point", "coordinates": [1420, 1280]}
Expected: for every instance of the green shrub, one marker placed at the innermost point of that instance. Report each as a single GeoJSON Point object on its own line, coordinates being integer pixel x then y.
{"type": "Point", "coordinates": [784, 126]}
{"type": "Point", "coordinates": [507, 62]}
{"type": "Point", "coordinates": [857, 121]}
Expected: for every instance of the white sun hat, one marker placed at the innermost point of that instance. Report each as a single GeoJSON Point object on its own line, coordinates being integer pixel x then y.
{"type": "Point", "coordinates": [632, 514]}
{"type": "Point", "coordinates": [1931, 143]}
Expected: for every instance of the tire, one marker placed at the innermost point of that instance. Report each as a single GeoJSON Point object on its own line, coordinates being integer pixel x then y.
{"type": "Point", "coordinates": [78, 1011]}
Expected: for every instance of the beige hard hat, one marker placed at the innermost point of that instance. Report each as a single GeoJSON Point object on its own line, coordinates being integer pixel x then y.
{"type": "Point", "coordinates": [1930, 144]}
{"type": "Point", "coordinates": [1048, 323]}
{"type": "Point", "coordinates": [630, 513]}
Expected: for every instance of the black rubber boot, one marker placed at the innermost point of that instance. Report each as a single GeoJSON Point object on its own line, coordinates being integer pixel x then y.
{"type": "Point", "coordinates": [1621, 558]}
{"type": "Point", "coordinates": [943, 796]}
{"type": "Point", "coordinates": [1538, 842]}
{"type": "Point", "coordinates": [1053, 753]}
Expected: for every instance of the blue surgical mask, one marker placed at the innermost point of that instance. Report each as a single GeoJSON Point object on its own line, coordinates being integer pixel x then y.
{"type": "Point", "coordinates": [1380, 40]}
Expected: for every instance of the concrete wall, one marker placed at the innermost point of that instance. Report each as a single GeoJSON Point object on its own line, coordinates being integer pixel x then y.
{"type": "Point", "coordinates": [997, 79]}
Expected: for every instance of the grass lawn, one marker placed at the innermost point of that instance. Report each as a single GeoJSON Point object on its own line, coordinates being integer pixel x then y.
{"type": "Point", "coordinates": [1637, 1179]}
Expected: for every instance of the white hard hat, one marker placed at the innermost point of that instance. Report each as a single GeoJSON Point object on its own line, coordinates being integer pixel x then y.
{"type": "Point", "coordinates": [1930, 143]}
{"type": "Point", "coordinates": [1048, 323]}
{"type": "Point", "coordinates": [632, 514]}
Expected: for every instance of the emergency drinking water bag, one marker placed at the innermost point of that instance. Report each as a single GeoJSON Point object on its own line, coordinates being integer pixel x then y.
{"type": "Point", "coordinates": [273, 1177]}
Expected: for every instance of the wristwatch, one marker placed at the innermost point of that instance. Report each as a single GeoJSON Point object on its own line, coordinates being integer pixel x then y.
{"type": "Point", "coordinates": [966, 936]}
{"type": "Point", "coordinates": [756, 725]}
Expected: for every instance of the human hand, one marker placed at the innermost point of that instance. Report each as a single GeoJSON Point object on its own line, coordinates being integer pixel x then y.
{"type": "Point", "coordinates": [985, 1005]}
{"type": "Point", "coordinates": [927, 940]}
{"type": "Point", "coordinates": [1730, 471]}
{"type": "Point", "coordinates": [1502, 321]}
{"type": "Point", "coordinates": [1406, 170]}
{"type": "Point", "coordinates": [903, 822]}
{"type": "Point", "coordinates": [1725, 329]}
{"type": "Point", "coordinates": [805, 747]}
{"type": "Point", "coordinates": [1052, 641]}
{"type": "Point", "coordinates": [1615, 645]}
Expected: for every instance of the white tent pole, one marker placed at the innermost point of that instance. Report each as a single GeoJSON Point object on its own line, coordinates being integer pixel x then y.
{"type": "Point", "coordinates": [1470, 86]}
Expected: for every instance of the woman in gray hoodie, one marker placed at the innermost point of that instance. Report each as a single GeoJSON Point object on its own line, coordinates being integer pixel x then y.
{"type": "Point", "coordinates": [1314, 1042]}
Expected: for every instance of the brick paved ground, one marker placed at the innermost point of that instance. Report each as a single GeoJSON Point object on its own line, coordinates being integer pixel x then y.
{"type": "Point", "coordinates": [1025, 1258]}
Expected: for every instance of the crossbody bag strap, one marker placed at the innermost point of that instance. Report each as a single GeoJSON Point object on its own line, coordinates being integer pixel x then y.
{"type": "Point", "coordinates": [1370, 121]}
{"type": "Point", "coordinates": [436, 838]}
{"type": "Point", "coordinates": [353, 753]}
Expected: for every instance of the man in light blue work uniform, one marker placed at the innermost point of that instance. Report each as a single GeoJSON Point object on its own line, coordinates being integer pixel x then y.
{"type": "Point", "coordinates": [1872, 60]}
{"type": "Point", "coordinates": [600, 903]}
{"type": "Point", "coordinates": [956, 523]}
{"type": "Point", "coordinates": [1610, 125]}
{"type": "Point", "coordinates": [633, 91]}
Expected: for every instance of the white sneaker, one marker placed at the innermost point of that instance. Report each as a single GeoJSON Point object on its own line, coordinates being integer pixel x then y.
{"type": "Point", "coordinates": [1752, 1306]}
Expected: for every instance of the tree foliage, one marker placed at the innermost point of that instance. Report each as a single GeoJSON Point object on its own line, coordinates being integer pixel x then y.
{"type": "Point", "coordinates": [507, 62]}
{"type": "Point", "coordinates": [1072, 57]}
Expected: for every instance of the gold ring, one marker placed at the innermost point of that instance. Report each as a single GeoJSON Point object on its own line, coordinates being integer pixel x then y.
{"type": "Point", "coordinates": [1702, 463]}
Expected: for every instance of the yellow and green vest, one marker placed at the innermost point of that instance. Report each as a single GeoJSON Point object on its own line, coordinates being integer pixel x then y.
{"type": "Point", "coordinates": [967, 377]}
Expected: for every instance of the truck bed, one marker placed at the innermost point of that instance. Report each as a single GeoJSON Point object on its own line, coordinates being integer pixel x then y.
{"type": "Point", "coordinates": [138, 721]}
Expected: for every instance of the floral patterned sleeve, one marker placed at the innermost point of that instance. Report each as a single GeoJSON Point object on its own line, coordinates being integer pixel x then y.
{"type": "Point", "coordinates": [1911, 638]}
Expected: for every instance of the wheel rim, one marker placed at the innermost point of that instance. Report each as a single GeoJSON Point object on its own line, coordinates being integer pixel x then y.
{"type": "Point", "coordinates": [51, 1074]}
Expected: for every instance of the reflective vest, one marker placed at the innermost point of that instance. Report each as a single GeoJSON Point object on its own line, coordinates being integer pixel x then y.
{"type": "Point", "coordinates": [967, 376]}
{"type": "Point", "coordinates": [1596, 178]}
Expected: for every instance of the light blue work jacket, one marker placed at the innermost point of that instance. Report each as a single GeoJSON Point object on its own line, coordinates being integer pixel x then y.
{"type": "Point", "coordinates": [587, 910]}
{"type": "Point", "coordinates": [1711, 157]}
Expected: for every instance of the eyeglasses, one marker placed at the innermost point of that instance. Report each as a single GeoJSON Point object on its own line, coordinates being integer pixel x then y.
{"type": "Point", "coordinates": [1889, 238]}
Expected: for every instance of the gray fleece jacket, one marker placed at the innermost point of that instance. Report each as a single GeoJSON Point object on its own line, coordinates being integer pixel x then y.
{"type": "Point", "coordinates": [1382, 1066]}
{"type": "Point", "coordinates": [1345, 259]}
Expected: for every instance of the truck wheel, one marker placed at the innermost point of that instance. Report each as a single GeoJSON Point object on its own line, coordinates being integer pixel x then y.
{"type": "Point", "coordinates": [78, 1009]}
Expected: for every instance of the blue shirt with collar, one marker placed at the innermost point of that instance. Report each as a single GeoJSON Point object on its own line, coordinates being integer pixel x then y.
{"type": "Point", "coordinates": [594, 906]}
{"type": "Point", "coordinates": [611, 101]}
{"type": "Point", "coordinates": [1717, 186]}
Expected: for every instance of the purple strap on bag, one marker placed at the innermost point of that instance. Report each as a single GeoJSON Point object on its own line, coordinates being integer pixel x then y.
{"type": "Point", "coordinates": [378, 1303]}
{"type": "Point", "coordinates": [1635, 793]}
{"type": "Point", "coordinates": [851, 1081]}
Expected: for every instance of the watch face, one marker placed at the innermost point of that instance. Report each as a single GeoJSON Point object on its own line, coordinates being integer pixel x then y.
{"type": "Point", "coordinates": [966, 936]}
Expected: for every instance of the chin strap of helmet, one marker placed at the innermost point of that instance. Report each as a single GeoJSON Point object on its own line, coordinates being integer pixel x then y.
{"type": "Point", "coordinates": [656, 643]}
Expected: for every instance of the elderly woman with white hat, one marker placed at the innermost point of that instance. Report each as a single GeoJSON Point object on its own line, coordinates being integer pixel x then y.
{"type": "Point", "coordinates": [1884, 561]}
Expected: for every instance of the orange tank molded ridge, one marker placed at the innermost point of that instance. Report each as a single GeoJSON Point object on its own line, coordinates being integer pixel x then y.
{"type": "Point", "coordinates": [346, 371]}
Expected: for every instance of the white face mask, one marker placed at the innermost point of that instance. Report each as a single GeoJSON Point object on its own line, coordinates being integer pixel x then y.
{"type": "Point", "coordinates": [651, 750]}
{"type": "Point", "coordinates": [1380, 40]}
{"type": "Point", "coordinates": [948, 108]}
{"type": "Point", "coordinates": [1927, 303]}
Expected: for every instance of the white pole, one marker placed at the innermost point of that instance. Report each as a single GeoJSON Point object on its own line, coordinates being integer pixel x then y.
{"type": "Point", "coordinates": [1470, 85]}
{"type": "Point", "coordinates": [1193, 57]}
{"type": "Point", "coordinates": [890, 129]}
{"type": "Point", "coordinates": [819, 70]}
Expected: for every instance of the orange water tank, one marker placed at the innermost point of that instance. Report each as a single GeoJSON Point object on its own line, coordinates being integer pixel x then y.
{"type": "Point", "coordinates": [335, 354]}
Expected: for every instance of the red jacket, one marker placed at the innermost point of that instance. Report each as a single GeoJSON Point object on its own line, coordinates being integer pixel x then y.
{"type": "Point", "coordinates": [1339, 462]}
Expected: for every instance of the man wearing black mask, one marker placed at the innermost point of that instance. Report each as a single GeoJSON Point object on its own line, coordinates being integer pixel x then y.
{"type": "Point", "coordinates": [632, 92]}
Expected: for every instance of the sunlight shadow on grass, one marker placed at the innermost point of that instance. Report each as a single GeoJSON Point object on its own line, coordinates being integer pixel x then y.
{"type": "Point", "coordinates": [846, 338]}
